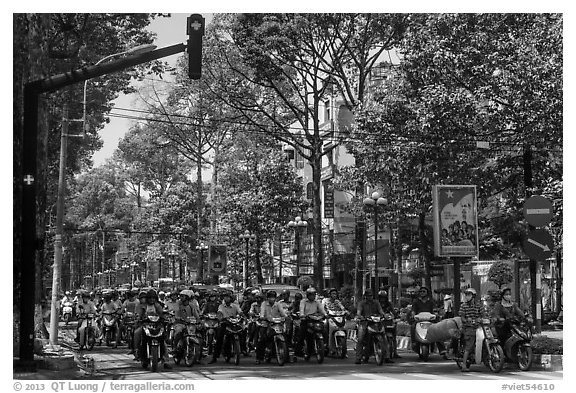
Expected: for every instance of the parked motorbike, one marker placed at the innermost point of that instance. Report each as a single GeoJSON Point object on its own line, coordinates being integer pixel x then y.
{"type": "Point", "coordinates": [211, 323]}
{"type": "Point", "coordinates": [276, 339]}
{"type": "Point", "coordinates": [231, 342]}
{"type": "Point", "coordinates": [423, 347]}
{"type": "Point", "coordinates": [109, 326]}
{"type": "Point", "coordinates": [189, 346]}
{"type": "Point", "coordinates": [89, 333]}
{"type": "Point", "coordinates": [517, 347]}
{"type": "Point", "coordinates": [375, 339]}
{"type": "Point", "coordinates": [487, 350]}
{"type": "Point", "coordinates": [314, 338]}
{"type": "Point", "coordinates": [153, 331]}
{"type": "Point", "coordinates": [337, 321]}
{"type": "Point", "coordinates": [67, 312]}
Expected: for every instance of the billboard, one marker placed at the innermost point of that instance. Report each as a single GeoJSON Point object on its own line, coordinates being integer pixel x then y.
{"type": "Point", "coordinates": [455, 214]}
{"type": "Point", "coordinates": [217, 259]}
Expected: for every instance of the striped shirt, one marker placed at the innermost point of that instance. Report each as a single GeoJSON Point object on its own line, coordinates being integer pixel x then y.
{"type": "Point", "coordinates": [470, 312]}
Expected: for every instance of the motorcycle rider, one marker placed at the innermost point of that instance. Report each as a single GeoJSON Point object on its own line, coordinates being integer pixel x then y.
{"type": "Point", "coordinates": [269, 309]}
{"type": "Point", "coordinates": [151, 304]}
{"type": "Point", "coordinates": [388, 308]}
{"type": "Point", "coordinates": [247, 299]}
{"type": "Point", "coordinates": [211, 305]}
{"type": "Point", "coordinates": [253, 312]}
{"type": "Point", "coordinates": [331, 303]}
{"type": "Point", "coordinates": [284, 302]}
{"type": "Point", "coordinates": [366, 308]}
{"type": "Point", "coordinates": [110, 307]}
{"type": "Point", "coordinates": [226, 310]}
{"type": "Point", "coordinates": [295, 309]}
{"type": "Point", "coordinates": [129, 306]}
{"type": "Point", "coordinates": [506, 311]}
{"type": "Point", "coordinates": [84, 306]}
{"type": "Point", "coordinates": [424, 303]}
{"type": "Point", "coordinates": [470, 312]}
{"type": "Point", "coordinates": [185, 310]}
{"type": "Point", "coordinates": [308, 307]}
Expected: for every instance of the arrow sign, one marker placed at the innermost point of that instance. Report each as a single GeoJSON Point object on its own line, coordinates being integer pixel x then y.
{"type": "Point", "coordinates": [538, 245]}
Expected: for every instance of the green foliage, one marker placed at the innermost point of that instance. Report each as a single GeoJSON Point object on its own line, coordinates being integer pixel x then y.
{"type": "Point", "coordinates": [500, 273]}
{"type": "Point", "coordinates": [547, 345]}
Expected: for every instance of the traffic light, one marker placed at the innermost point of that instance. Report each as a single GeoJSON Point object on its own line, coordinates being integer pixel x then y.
{"type": "Point", "coordinates": [195, 31]}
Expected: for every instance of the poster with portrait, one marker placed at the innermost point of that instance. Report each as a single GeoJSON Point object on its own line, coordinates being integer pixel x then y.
{"type": "Point", "coordinates": [217, 259]}
{"type": "Point", "coordinates": [455, 221]}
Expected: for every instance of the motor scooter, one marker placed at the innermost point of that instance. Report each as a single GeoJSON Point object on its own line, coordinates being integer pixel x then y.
{"type": "Point", "coordinates": [337, 321]}
{"type": "Point", "coordinates": [189, 347]}
{"type": "Point", "coordinates": [390, 332]}
{"type": "Point", "coordinates": [110, 327]}
{"type": "Point", "coordinates": [128, 324]}
{"type": "Point", "coordinates": [89, 338]}
{"type": "Point", "coordinates": [211, 324]}
{"type": "Point", "coordinates": [153, 331]}
{"type": "Point", "coordinates": [67, 312]}
{"type": "Point", "coordinates": [276, 341]}
{"type": "Point", "coordinates": [314, 336]}
{"type": "Point", "coordinates": [375, 339]}
{"type": "Point", "coordinates": [487, 349]}
{"type": "Point", "coordinates": [422, 346]}
{"type": "Point", "coordinates": [231, 342]}
{"type": "Point", "coordinates": [517, 347]}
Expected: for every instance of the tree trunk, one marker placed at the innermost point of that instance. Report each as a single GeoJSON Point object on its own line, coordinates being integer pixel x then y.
{"type": "Point", "coordinates": [316, 163]}
{"type": "Point", "coordinates": [199, 211]}
{"type": "Point", "coordinates": [423, 253]}
{"type": "Point", "coordinates": [259, 275]}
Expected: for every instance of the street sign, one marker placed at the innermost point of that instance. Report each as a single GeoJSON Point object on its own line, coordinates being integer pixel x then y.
{"type": "Point", "coordinates": [538, 211]}
{"type": "Point", "coordinates": [538, 245]}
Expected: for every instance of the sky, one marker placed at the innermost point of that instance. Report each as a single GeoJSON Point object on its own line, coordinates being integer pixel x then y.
{"type": "Point", "coordinates": [170, 31]}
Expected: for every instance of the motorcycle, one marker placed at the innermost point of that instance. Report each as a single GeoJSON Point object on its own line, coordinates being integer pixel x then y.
{"type": "Point", "coordinates": [231, 342]}
{"type": "Point", "coordinates": [128, 323]}
{"type": "Point", "coordinates": [390, 331]}
{"type": "Point", "coordinates": [109, 326]}
{"type": "Point", "coordinates": [89, 332]}
{"type": "Point", "coordinates": [189, 346]}
{"type": "Point", "coordinates": [211, 324]}
{"type": "Point", "coordinates": [375, 339]}
{"type": "Point", "coordinates": [423, 347]}
{"type": "Point", "coordinates": [277, 345]}
{"type": "Point", "coordinates": [169, 326]}
{"type": "Point", "coordinates": [337, 321]}
{"type": "Point", "coordinates": [487, 349]}
{"type": "Point", "coordinates": [67, 312]}
{"type": "Point", "coordinates": [314, 338]}
{"type": "Point", "coordinates": [153, 331]}
{"type": "Point", "coordinates": [517, 348]}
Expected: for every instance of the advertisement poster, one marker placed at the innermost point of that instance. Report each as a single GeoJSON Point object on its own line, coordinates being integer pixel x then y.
{"type": "Point", "coordinates": [455, 221]}
{"type": "Point", "coordinates": [217, 259]}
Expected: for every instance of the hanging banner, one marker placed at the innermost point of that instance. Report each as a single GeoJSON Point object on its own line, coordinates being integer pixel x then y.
{"type": "Point", "coordinates": [455, 221]}
{"type": "Point", "coordinates": [328, 199]}
{"type": "Point", "coordinates": [217, 259]}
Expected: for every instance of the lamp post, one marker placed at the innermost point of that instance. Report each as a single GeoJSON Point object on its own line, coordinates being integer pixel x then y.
{"type": "Point", "coordinates": [201, 247]}
{"type": "Point", "coordinates": [172, 253]}
{"type": "Point", "coordinates": [133, 273]}
{"type": "Point", "coordinates": [297, 225]}
{"type": "Point", "coordinates": [247, 236]}
{"type": "Point", "coordinates": [375, 200]}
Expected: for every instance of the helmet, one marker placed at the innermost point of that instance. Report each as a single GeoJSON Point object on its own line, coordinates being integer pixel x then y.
{"type": "Point", "coordinates": [67, 293]}
{"type": "Point", "coordinates": [211, 293]}
{"type": "Point", "coordinates": [107, 296]}
{"type": "Point", "coordinates": [161, 293]}
{"type": "Point", "coordinates": [504, 290]}
{"type": "Point", "coordinates": [257, 293]}
{"type": "Point", "coordinates": [382, 293]}
{"type": "Point", "coordinates": [368, 292]}
{"type": "Point", "coordinates": [151, 294]}
{"type": "Point", "coordinates": [298, 296]}
{"type": "Point", "coordinates": [142, 294]}
{"type": "Point", "coordinates": [186, 293]}
{"type": "Point", "coordinates": [310, 291]}
{"type": "Point", "coordinates": [424, 289]}
{"type": "Point", "coordinates": [470, 290]}
{"type": "Point", "coordinates": [83, 294]}
{"type": "Point", "coordinates": [285, 292]}
{"type": "Point", "coordinates": [447, 297]}
{"type": "Point", "coordinates": [332, 290]}
{"type": "Point", "coordinates": [272, 294]}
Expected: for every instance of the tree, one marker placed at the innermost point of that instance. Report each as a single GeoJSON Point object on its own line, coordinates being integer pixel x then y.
{"type": "Point", "coordinates": [500, 273]}
{"type": "Point", "coordinates": [276, 69]}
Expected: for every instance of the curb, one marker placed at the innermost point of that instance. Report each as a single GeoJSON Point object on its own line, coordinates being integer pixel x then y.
{"type": "Point", "coordinates": [547, 362]}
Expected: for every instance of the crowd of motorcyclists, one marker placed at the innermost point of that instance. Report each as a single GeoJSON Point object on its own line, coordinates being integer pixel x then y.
{"type": "Point", "coordinates": [184, 325]}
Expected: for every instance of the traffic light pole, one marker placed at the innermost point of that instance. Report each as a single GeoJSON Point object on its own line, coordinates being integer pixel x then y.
{"type": "Point", "coordinates": [29, 241]}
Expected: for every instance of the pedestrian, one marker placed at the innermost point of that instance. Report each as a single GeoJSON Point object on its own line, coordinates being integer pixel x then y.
{"type": "Point", "coordinates": [470, 312]}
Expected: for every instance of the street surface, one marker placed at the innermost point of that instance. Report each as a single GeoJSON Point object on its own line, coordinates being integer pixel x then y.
{"type": "Point", "coordinates": [116, 364]}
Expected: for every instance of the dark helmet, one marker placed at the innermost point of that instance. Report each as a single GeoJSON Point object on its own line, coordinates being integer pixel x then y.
{"type": "Point", "coordinates": [332, 290]}
{"type": "Point", "coordinates": [272, 294]}
{"type": "Point", "coordinates": [141, 294]}
{"type": "Point", "coordinates": [211, 293]}
{"type": "Point", "coordinates": [424, 289]}
{"type": "Point", "coordinates": [285, 292]}
{"type": "Point", "coordinates": [368, 292]}
{"type": "Point", "coordinates": [107, 296]}
{"type": "Point", "coordinates": [298, 296]}
{"type": "Point", "coordinates": [504, 290]}
{"type": "Point", "coordinates": [152, 294]}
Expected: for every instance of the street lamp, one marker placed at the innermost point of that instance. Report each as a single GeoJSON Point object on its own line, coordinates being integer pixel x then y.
{"type": "Point", "coordinates": [297, 225]}
{"type": "Point", "coordinates": [375, 200]}
{"type": "Point", "coordinates": [172, 253]}
{"type": "Point", "coordinates": [99, 279]}
{"type": "Point", "coordinates": [247, 236]}
{"type": "Point", "coordinates": [133, 51]}
{"type": "Point", "coordinates": [201, 247]}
